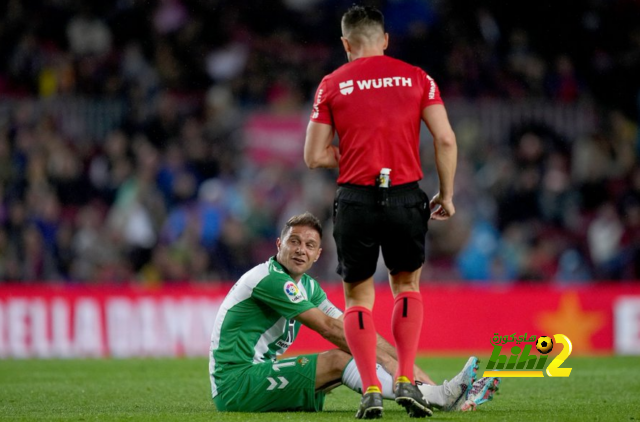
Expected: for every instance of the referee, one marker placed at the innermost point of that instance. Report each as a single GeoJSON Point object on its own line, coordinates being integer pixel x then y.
{"type": "Point", "coordinates": [376, 105]}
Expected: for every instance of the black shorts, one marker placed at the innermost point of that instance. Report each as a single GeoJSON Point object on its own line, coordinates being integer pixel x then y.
{"type": "Point", "coordinates": [362, 227]}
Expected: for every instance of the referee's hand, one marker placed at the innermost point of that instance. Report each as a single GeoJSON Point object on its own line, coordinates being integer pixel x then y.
{"type": "Point", "coordinates": [441, 209]}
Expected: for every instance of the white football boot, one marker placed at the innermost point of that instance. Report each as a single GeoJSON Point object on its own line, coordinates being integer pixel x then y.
{"type": "Point", "coordinates": [481, 392]}
{"type": "Point", "coordinates": [452, 395]}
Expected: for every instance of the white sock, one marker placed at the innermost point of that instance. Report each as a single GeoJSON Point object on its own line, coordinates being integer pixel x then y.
{"type": "Point", "coordinates": [351, 378]}
{"type": "Point", "coordinates": [434, 394]}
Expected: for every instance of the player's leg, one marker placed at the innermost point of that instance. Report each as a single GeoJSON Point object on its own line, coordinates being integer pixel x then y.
{"type": "Point", "coordinates": [481, 392]}
{"type": "Point", "coordinates": [336, 367]}
{"type": "Point", "coordinates": [461, 393]}
{"type": "Point", "coordinates": [286, 385]}
{"type": "Point", "coordinates": [452, 395]}
{"type": "Point", "coordinates": [351, 379]}
{"type": "Point", "coordinates": [330, 368]}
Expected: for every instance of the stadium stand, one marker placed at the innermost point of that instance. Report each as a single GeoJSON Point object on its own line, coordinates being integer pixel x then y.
{"type": "Point", "coordinates": [161, 141]}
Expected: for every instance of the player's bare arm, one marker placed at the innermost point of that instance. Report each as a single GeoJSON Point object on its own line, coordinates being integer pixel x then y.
{"type": "Point", "coordinates": [318, 149]}
{"type": "Point", "coordinates": [332, 329]}
{"type": "Point", "coordinates": [329, 328]}
{"type": "Point", "coordinates": [446, 154]}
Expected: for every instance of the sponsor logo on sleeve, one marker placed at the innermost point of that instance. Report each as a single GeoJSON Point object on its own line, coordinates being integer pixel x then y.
{"type": "Point", "coordinates": [432, 88]}
{"type": "Point", "coordinates": [292, 292]}
{"type": "Point", "coordinates": [316, 108]}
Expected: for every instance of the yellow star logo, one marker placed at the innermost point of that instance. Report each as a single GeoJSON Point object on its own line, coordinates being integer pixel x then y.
{"type": "Point", "coordinates": [569, 319]}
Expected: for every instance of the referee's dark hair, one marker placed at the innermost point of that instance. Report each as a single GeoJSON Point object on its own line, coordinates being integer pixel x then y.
{"type": "Point", "coordinates": [305, 219]}
{"type": "Point", "coordinates": [362, 16]}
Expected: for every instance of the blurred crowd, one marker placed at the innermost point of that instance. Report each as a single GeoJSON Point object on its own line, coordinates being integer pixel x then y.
{"type": "Point", "coordinates": [204, 165]}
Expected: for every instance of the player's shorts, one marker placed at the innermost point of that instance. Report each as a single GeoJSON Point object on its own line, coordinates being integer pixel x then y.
{"type": "Point", "coordinates": [362, 227]}
{"type": "Point", "coordinates": [287, 385]}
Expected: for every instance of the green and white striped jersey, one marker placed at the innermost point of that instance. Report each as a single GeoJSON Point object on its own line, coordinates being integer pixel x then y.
{"type": "Point", "coordinates": [255, 321]}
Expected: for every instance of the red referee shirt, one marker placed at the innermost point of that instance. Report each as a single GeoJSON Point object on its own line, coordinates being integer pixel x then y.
{"type": "Point", "coordinates": [375, 104]}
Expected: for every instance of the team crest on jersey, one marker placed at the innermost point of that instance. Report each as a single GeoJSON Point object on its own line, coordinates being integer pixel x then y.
{"type": "Point", "coordinates": [346, 88]}
{"type": "Point", "coordinates": [292, 292]}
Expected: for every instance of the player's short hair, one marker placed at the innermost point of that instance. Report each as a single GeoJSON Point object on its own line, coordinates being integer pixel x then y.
{"type": "Point", "coordinates": [305, 219]}
{"type": "Point", "coordinates": [362, 19]}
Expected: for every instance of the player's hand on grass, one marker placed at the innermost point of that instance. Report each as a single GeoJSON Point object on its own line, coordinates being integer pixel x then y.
{"type": "Point", "coordinates": [441, 209]}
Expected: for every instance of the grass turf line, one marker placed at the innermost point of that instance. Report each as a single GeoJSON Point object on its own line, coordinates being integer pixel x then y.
{"type": "Point", "coordinates": [599, 388]}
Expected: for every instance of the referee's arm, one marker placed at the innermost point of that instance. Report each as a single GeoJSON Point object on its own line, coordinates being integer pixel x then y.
{"type": "Point", "coordinates": [318, 149]}
{"type": "Point", "coordinates": [446, 154]}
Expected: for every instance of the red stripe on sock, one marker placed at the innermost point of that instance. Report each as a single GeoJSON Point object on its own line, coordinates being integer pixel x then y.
{"type": "Point", "coordinates": [406, 324]}
{"type": "Point", "coordinates": [360, 332]}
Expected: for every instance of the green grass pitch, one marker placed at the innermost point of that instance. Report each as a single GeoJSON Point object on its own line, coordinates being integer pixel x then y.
{"type": "Point", "coordinates": [599, 389]}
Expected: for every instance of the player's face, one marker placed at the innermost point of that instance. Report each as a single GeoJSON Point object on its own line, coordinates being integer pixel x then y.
{"type": "Point", "coordinates": [298, 250]}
